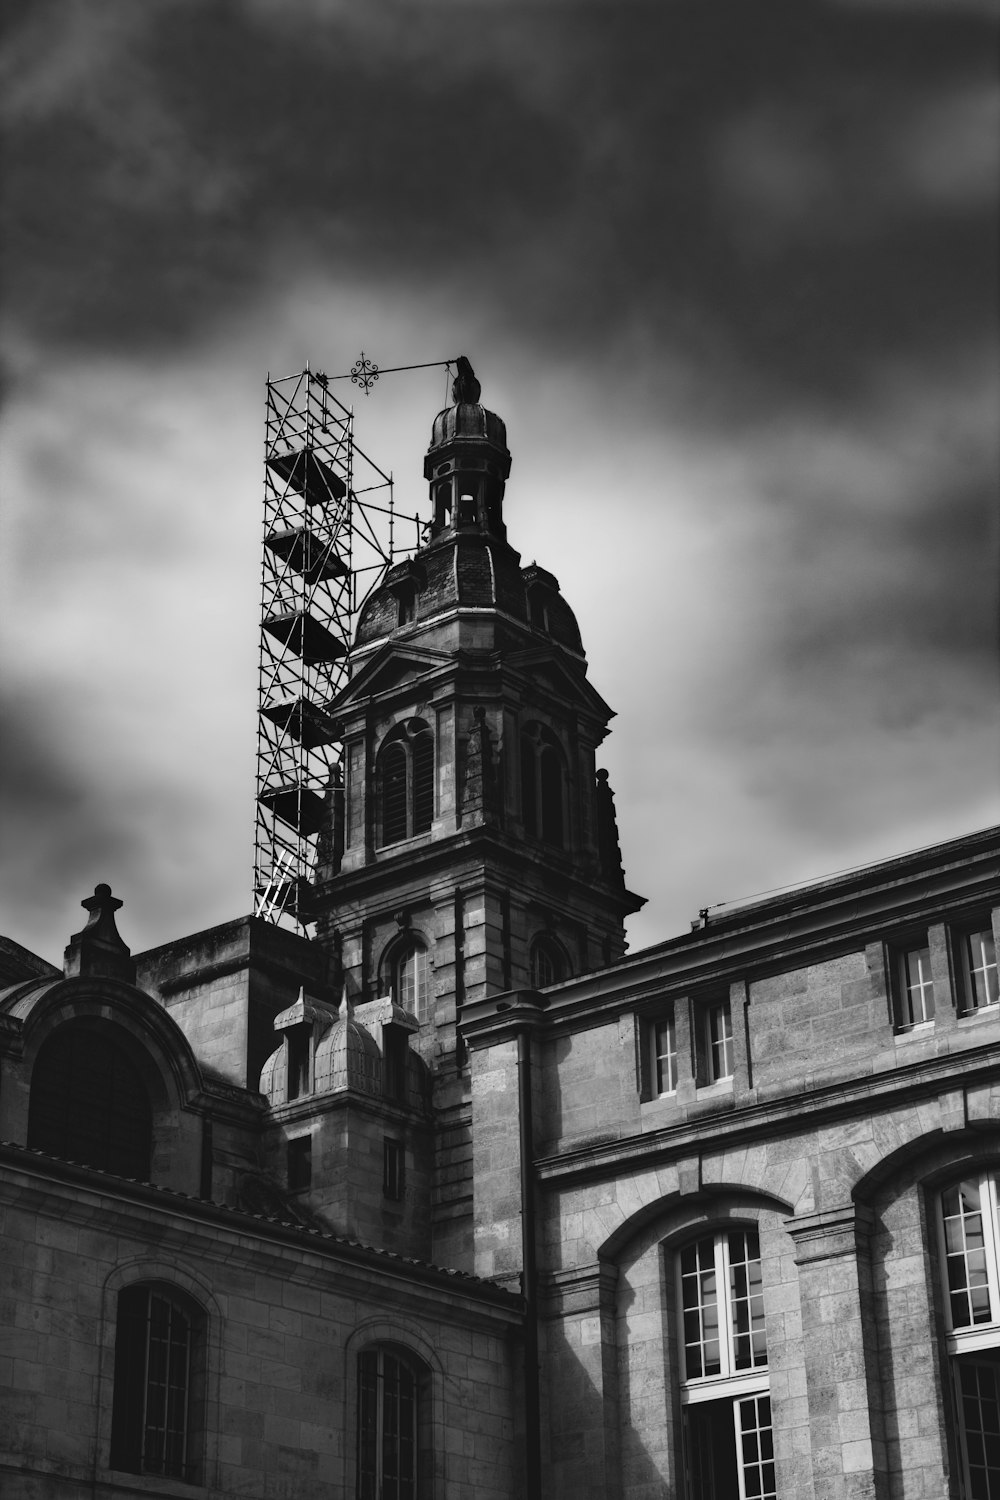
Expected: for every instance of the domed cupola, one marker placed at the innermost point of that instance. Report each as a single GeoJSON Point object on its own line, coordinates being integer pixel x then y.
{"type": "Point", "coordinates": [348, 1058]}
{"type": "Point", "coordinates": [468, 461]}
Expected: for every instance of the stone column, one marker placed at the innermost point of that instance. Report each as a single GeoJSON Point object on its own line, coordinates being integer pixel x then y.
{"type": "Point", "coordinates": [838, 1330]}
{"type": "Point", "coordinates": [580, 1396]}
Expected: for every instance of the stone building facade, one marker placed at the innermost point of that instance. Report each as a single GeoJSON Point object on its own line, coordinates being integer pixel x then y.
{"type": "Point", "coordinates": [457, 1199]}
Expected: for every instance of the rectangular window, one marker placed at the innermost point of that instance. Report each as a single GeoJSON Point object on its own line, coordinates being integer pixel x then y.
{"type": "Point", "coordinates": [977, 963]}
{"type": "Point", "coordinates": [914, 987]}
{"type": "Point", "coordinates": [298, 1045]}
{"type": "Point", "coordinates": [977, 1395]}
{"type": "Point", "coordinates": [393, 1164]}
{"type": "Point", "coordinates": [300, 1164]}
{"type": "Point", "coordinates": [664, 1056]}
{"type": "Point", "coordinates": [715, 1042]}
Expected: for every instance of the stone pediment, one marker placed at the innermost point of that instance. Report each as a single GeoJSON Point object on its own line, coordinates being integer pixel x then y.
{"type": "Point", "coordinates": [555, 677]}
{"type": "Point", "coordinates": [391, 667]}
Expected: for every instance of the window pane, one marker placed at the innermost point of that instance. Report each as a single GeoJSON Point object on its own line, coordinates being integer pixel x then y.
{"type": "Point", "coordinates": [411, 980]}
{"type": "Point", "coordinates": [700, 1303]}
{"type": "Point", "coordinates": [917, 987]}
{"type": "Point", "coordinates": [393, 779]}
{"type": "Point", "coordinates": [665, 1045]}
{"type": "Point", "coordinates": [980, 956]}
{"type": "Point", "coordinates": [979, 1400]}
{"type": "Point", "coordinates": [423, 781]}
{"type": "Point", "coordinates": [747, 1298]}
{"type": "Point", "coordinates": [965, 1255]}
{"type": "Point", "coordinates": [718, 1042]}
{"type": "Point", "coordinates": [757, 1452]}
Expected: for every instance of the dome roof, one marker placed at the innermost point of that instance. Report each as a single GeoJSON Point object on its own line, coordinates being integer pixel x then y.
{"type": "Point", "coordinates": [345, 1057]}
{"type": "Point", "coordinates": [468, 420]}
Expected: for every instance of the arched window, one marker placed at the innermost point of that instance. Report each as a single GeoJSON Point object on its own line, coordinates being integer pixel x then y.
{"type": "Point", "coordinates": [159, 1375]}
{"type": "Point", "coordinates": [548, 963]}
{"type": "Point", "coordinates": [391, 1427]}
{"type": "Point", "coordinates": [410, 977]}
{"type": "Point", "coordinates": [969, 1252]}
{"type": "Point", "coordinates": [542, 785]}
{"type": "Point", "coordinates": [728, 1447]}
{"type": "Point", "coordinates": [89, 1103]}
{"type": "Point", "coordinates": [405, 783]}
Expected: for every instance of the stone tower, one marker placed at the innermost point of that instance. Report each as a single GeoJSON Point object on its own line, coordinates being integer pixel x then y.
{"type": "Point", "coordinates": [474, 847]}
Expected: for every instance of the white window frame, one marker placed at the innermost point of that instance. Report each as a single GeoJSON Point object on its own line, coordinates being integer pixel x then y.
{"type": "Point", "coordinates": [711, 1047]}
{"type": "Point", "coordinates": [905, 1017]}
{"type": "Point", "coordinates": [736, 1386]}
{"type": "Point", "coordinates": [967, 1340]}
{"type": "Point", "coordinates": [964, 938]}
{"type": "Point", "coordinates": [658, 1055]}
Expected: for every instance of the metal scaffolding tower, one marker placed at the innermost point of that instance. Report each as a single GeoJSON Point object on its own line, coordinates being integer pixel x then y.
{"type": "Point", "coordinates": [329, 531]}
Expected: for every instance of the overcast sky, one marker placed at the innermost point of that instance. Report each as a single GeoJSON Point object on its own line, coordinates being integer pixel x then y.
{"type": "Point", "coordinates": [726, 269]}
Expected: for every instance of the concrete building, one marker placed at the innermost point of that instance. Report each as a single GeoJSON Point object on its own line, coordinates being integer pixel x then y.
{"type": "Point", "coordinates": [459, 1200]}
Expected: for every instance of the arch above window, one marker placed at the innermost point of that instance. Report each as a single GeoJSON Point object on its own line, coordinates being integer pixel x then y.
{"type": "Point", "coordinates": [548, 962]}
{"type": "Point", "coordinates": [89, 1102]}
{"type": "Point", "coordinates": [404, 782]}
{"type": "Point", "coordinates": [543, 785]}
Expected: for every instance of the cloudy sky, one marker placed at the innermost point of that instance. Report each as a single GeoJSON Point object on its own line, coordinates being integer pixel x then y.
{"type": "Point", "coordinates": [726, 268]}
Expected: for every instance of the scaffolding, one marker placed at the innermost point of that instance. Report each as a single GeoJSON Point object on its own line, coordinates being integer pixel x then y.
{"type": "Point", "coordinates": [330, 529]}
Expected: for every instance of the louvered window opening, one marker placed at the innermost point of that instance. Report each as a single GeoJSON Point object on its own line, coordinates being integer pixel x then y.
{"type": "Point", "coordinates": [542, 787]}
{"type": "Point", "coordinates": [151, 1418]}
{"type": "Point", "coordinates": [387, 1427]}
{"type": "Point", "coordinates": [89, 1104]}
{"type": "Point", "coordinates": [406, 787]}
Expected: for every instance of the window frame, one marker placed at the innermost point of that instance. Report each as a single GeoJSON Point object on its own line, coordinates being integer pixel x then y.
{"type": "Point", "coordinates": [413, 740]}
{"type": "Point", "coordinates": [130, 1402]}
{"type": "Point", "coordinates": [731, 1385]}
{"type": "Point", "coordinates": [900, 952]}
{"type": "Point", "coordinates": [715, 1041]}
{"type": "Point", "coordinates": [393, 1169]}
{"type": "Point", "coordinates": [962, 936]}
{"type": "Point", "coordinates": [416, 1004]}
{"type": "Point", "coordinates": [665, 1023]}
{"type": "Point", "coordinates": [370, 1475]}
{"type": "Point", "coordinates": [971, 1345]}
{"type": "Point", "coordinates": [544, 947]}
{"type": "Point", "coordinates": [544, 802]}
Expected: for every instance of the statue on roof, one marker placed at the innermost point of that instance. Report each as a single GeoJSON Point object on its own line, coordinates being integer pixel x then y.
{"type": "Point", "coordinates": [465, 387]}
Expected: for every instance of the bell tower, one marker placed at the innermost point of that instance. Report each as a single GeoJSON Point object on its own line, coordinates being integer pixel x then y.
{"type": "Point", "coordinates": [475, 848]}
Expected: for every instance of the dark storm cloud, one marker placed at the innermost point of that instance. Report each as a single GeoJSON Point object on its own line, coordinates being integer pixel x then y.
{"type": "Point", "coordinates": [743, 180]}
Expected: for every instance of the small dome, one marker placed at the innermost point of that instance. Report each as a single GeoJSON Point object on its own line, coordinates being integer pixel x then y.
{"type": "Point", "coordinates": [468, 419]}
{"type": "Point", "coordinates": [347, 1058]}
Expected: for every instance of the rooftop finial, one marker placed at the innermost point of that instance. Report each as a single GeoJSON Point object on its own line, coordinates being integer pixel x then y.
{"type": "Point", "coordinates": [98, 948]}
{"type": "Point", "coordinates": [465, 387]}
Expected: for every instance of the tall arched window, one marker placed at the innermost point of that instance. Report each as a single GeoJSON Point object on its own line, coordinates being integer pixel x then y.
{"type": "Point", "coordinates": [89, 1103]}
{"type": "Point", "coordinates": [405, 783]}
{"type": "Point", "coordinates": [410, 977]}
{"type": "Point", "coordinates": [728, 1449]}
{"type": "Point", "coordinates": [391, 1423]}
{"type": "Point", "coordinates": [542, 785]}
{"type": "Point", "coordinates": [159, 1370]}
{"type": "Point", "coordinates": [548, 963]}
{"type": "Point", "coordinates": [969, 1252]}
